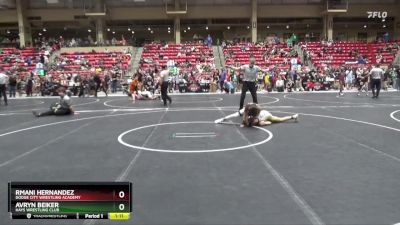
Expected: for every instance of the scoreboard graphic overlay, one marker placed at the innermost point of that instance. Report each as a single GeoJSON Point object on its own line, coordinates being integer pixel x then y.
{"type": "Point", "coordinates": [70, 200]}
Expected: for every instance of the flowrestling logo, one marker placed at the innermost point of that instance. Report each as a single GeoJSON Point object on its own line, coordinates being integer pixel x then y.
{"type": "Point", "coordinates": [374, 14]}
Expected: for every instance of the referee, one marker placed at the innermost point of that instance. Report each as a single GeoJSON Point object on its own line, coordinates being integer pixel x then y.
{"type": "Point", "coordinates": [376, 75]}
{"type": "Point", "coordinates": [3, 86]}
{"type": "Point", "coordinates": [164, 78]}
{"type": "Point", "coordinates": [250, 72]}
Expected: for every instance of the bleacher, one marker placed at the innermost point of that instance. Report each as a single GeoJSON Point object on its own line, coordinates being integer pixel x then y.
{"type": "Point", "coordinates": [107, 59]}
{"type": "Point", "coordinates": [240, 53]}
{"type": "Point", "coordinates": [388, 57]}
{"type": "Point", "coordinates": [338, 53]}
{"type": "Point", "coordinates": [19, 56]}
{"type": "Point", "coordinates": [192, 53]}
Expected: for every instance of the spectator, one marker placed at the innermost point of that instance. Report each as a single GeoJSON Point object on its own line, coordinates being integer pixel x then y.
{"type": "Point", "coordinates": [114, 83]}
{"type": "Point", "coordinates": [386, 37]}
{"type": "Point", "coordinates": [349, 78]}
{"type": "Point", "coordinates": [3, 86]}
{"type": "Point", "coordinates": [12, 84]}
{"type": "Point", "coordinates": [222, 78]}
{"type": "Point", "coordinates": [29, 85]}
{"type": "Point", "coordinates": [209, 40]}
{"type": "Point", "coordinates": [397, 69]}
{"type": "Point", "coordinates": [280, 84]}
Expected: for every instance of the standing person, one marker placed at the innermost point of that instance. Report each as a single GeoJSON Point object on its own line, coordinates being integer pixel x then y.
{"type": "Point", "coordinates": [114, 82]}
{"type": "Point", "coordinates": [164, 80]}
{"type": "Point", "coordinates": [397, 72]}
{"type": "Point", "coordinates": [222, 78]}
{"type": "Point", "coordinates": [363, 84]}
{"type": "Point", "coordinates": [29, 86]}
{"type": "Point", "coordinates": [349, 78]}
{"type": "Point", "coordinates": [341, 79]}
{"type": "Point", "coordinates": [20, 83]}
{"type": "Point", "coordinates": [105, 83]}
{"type": "Point", "coordinates": [3, 86]}
{"type": "Point", "coordinates": [99, 85]}
{"type": "Point", "coordinates": [12, 84]}
{"type": "Point", "coordinates": [97, 81]}
{"type": "Point", "coordinates": [250, 72]}
{"type": "Point", "coordinates": [209, 41]}
{"type": "Point", "coordinates": [359, 75]}
{"type": "Point", "coordinates": [376, 75]}
{"type": "Point", "coordinates": [133, 88]}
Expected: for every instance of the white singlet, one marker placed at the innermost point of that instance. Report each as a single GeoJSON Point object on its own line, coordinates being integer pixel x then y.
{"type": "Point", "coordinates": [264, 115]}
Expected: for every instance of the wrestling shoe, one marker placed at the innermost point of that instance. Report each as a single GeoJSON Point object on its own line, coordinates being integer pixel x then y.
{"type": "Point", "coordinates": [295, 117]}
{"type": "Point", "coordinates": [219, 120]}
{"type": "Point", "coordinates": [36, 113]}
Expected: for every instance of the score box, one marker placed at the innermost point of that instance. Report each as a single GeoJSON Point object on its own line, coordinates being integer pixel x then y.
{"type": "Point", "coordinates": [38, 199]}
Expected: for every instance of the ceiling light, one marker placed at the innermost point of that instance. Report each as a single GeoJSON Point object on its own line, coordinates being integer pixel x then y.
{"type": "Point", "coordinates": [169, 28]}
{"type": "Point", "coordinates": [188, 28]}
{"type": "Point", "coordinates": [89, 30]}
{"type": "Point", "coordinates": [149, 29]}
{"type": "Point", "coordinates": [169, 32]}
{"type": "Point", "coordinates": [152, 32]}
{"type": "Point", "coordinates": [384, 26]}
{"type": "Point", "coordinates": [184, 31]}
{"type": "Point", "coordinates": [133, 32]}
{"type": "Point", "coordinates": [287, 26]}
{"type": "Point", "coordinates": [40, 34]}
{"type": "Point", "coordinates": [206, 28]}
{"type": "Point", "coordinates": [268, 27]}
{"type": "Point", "coordinates": [228, 27]}
{"type": "Point", "coordinates": [365, 26]}
{"type": "Point", "coordinates": [113, 32]}
{"type": "Point", "coordinates": [129, 29]}
{"type": "Point", "coordinates": [108, 29]}
{"type": "Point", "coordinates": [8, 32]}
{"type": "Point", "coordinates": [44, 30]}
{"type": "Point", "coordinates": [248, 27]}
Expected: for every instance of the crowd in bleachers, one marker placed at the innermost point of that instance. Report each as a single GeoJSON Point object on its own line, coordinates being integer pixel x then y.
{"type": "Point", "coordinates": [89, 41]}
{"type": "Point", "coordinates": [332, 60]}
{"type": "Point", "coordinates": [349, 53]}
{"type": "Point", "coordinates": [192, 66]}
{"type": "Point", "coordinates": [32, 72]}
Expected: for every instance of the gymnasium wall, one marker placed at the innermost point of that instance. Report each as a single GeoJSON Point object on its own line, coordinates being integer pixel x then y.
{"type": "Point", "coordinates": [217, 12]}
{"type": "Point", "coordinates": [202, 12]}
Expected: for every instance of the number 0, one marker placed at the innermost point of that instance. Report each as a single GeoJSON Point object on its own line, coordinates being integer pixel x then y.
{"type": "Point", "coordinates": [121, 207]}
{"type": "Point", "coordinates": [121, 194]}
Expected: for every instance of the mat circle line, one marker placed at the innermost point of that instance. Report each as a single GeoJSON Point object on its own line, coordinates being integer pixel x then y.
{"type": "Point", "coordinates": [29, 110]}
{"type": "Point", "coordinates": [40, 103]}
{"type": "Point", "coordinates": [288, 96]}
{"type": "Point", "coordinates": [393, 117]}
{"type": "Point", "coordinates": [174, 110]}
{"type": "Point", "coordinates": [120, 137]}
{"type": "Point", "coordinates": [106, 103]}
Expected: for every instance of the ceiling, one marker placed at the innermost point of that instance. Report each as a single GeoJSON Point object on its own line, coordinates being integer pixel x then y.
{"type": "Point", "coordinates": [35, 4]}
